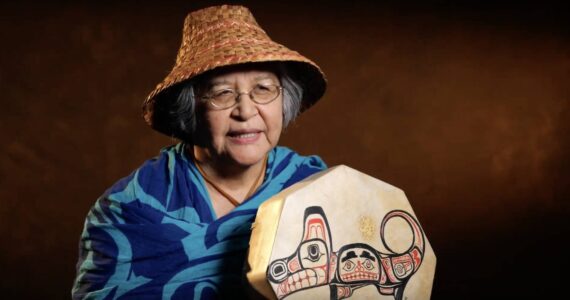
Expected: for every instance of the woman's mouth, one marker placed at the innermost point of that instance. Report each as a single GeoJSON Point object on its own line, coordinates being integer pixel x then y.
{"type": "Point", "coordinates": [244, 137]}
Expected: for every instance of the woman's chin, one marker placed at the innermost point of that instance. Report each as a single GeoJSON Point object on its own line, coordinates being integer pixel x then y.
{"type": "Point", "coordinates": [248, 156]}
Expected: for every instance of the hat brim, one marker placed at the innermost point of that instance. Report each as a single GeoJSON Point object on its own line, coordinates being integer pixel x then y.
{"type": "Point", "coordinates": [308, 75]}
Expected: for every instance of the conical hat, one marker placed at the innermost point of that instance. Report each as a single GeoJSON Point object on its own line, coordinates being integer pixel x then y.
{"type": "Point", "coordinates": [227, 35]}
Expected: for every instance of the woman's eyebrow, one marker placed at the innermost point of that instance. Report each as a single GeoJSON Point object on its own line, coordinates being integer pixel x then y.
{"type": "Point", "coordinates": [219, 82]}
{"type": "Point", "coordinates": [262, 77]}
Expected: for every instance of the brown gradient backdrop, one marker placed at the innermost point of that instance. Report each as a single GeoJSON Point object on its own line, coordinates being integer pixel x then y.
{"type": "Point", "coordinates": [464, 107]}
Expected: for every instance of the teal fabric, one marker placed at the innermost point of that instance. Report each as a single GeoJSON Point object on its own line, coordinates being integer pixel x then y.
{"type": "Point", "coordinates": [154, 234]}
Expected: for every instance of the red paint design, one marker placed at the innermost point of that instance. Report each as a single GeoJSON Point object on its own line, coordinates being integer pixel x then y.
{"type": "Point", "coordinates": [293, 265]}
{"type": "Point", "coordinates": [353, 266]}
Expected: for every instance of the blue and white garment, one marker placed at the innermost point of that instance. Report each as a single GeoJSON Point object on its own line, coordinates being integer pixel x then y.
{"type": "Point", "coordinates": [154, 234]}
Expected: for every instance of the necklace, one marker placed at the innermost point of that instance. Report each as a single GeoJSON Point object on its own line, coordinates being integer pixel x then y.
{"type": "Point", "coordinates": [231, 199]}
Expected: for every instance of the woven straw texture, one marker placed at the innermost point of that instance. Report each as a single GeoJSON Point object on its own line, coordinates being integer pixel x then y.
{"type": "Point", "coordinates": [229, 35]}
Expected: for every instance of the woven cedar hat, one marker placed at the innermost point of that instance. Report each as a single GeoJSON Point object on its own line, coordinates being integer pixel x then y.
{"type": "Point", "coordinates": [226, 35]}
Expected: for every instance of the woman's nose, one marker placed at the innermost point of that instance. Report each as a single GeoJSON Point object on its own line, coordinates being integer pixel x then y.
{"type": "Point", "coordinates": [245, 108]}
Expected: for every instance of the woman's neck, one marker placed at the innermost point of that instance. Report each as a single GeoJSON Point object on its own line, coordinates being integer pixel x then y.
{"type": "Point", "coordinates": [225, 173]}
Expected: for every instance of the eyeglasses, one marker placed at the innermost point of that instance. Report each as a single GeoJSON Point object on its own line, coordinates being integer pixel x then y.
{"type": "Point", "coordinates": [226, 98]}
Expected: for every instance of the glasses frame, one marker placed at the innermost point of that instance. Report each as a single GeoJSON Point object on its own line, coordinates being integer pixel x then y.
{"type": "Point", "coordinates": [209, 99]}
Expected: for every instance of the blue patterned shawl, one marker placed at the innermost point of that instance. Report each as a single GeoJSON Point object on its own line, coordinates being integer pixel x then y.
{"type": "Point", "coordinates": [154, 234]}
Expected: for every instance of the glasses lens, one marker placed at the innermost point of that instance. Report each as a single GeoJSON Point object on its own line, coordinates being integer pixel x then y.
{"type": "Point", "coordinates": [222, 98]}
{"type": "Point", "coordinates": [225, 98]}
{"type": "Point", "coordinates": [265, 93]}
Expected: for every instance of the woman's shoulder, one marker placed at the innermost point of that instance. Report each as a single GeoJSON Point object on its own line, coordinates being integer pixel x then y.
{"type": "Point", "coordinates": [154, 178]}
{"type": "Point", "coordinates": [286, 155]}
{"type": "Point", "coordinates": [152, 172]}
{"type": "Point", "coordinates": [289, 167]}
{"type": "Point", "coordinates": [165, 183]}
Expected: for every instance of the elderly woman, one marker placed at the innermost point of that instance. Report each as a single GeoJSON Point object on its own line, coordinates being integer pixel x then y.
{"type": "Point", "coordinates": [179, 226]}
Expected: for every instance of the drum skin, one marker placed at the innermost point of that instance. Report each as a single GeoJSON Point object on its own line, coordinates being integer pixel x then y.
{"type": "Point", "coordinates": [340, 234]}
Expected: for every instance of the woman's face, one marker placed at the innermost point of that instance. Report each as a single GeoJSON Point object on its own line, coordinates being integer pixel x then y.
{"type": "Point", "coordinates": [244, 133]}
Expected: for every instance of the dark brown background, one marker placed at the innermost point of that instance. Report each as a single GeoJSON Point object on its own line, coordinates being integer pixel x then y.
{"type": "Point", "coordinates": [463, 106]}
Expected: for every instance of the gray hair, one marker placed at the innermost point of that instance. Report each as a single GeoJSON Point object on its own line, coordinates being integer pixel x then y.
{"type": "Point", "coordinates": [182, 109]}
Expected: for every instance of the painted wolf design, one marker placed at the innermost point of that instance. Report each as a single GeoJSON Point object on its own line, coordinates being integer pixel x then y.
{"type": "Point", "coordinates": [352, 266]}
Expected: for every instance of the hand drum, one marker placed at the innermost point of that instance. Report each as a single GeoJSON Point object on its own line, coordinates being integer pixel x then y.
{"type": "Point", "coordinates": [340, 234]}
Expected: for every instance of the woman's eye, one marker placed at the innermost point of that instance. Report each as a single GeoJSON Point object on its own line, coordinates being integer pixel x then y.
{"type": "Point", "coordinates": [262, 88]}
{"type": "Point", "coordinates": [222, 93]}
